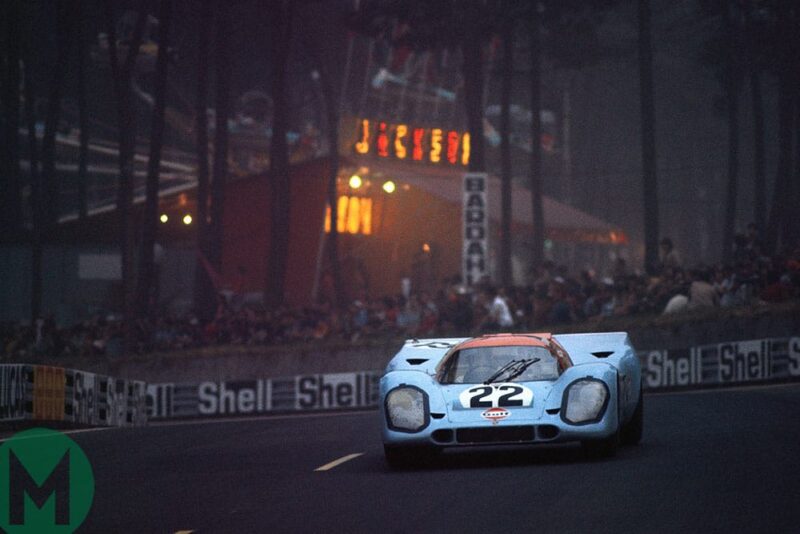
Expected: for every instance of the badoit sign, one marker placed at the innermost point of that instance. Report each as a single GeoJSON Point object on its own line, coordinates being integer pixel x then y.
{"type": "Point", "coordinates": [474, 262]}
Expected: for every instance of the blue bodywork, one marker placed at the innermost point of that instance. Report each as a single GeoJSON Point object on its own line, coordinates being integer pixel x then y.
{"type": "Point", "coordinates": [606, 357]}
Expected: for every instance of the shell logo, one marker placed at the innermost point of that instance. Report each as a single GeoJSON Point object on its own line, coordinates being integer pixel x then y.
{"type": "Point", "coordinates": [495, 414]}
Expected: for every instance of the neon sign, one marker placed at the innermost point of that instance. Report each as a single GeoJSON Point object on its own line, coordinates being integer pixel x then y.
{"type": "Point", "coordinates": [428, 145]}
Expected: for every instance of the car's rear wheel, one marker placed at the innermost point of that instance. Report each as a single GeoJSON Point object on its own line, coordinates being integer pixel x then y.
{"type": "Point", "coordinates": [597, 449]}
{"type": "Point", "coordinates": [632, 431]}
{"type": "Point", "coordinates": [408, 457]}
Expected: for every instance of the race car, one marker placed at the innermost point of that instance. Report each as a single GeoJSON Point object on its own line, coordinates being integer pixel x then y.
{"type": "Point", "coordinates": [511, 389]}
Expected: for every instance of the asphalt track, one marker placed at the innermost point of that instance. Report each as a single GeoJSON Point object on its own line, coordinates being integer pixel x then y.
{"type": "Point", "coordinates": [715, 461]}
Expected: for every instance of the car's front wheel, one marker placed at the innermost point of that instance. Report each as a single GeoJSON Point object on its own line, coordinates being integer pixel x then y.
{"type": "Point", "coordinates": [408, 457]}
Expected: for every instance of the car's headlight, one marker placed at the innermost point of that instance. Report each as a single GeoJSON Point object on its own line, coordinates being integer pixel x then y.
{"type": "Point", "coordinates": [407, 409]}
{"type": "Point", "coordinates": [585, 400]}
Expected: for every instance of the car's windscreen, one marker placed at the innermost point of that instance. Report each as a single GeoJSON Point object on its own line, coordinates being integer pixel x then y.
{"type": "Point", "coordinates": [477, 365]}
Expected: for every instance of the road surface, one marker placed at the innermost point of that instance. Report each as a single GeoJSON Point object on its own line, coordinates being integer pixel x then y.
{"type": "Point", "coordinates": [712, 461]}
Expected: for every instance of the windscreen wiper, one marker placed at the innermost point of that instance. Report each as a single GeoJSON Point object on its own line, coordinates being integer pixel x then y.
{"type": "Point", "coordinates": [502, 370]}
{"type": "Point", "coordinates": [518, 370]}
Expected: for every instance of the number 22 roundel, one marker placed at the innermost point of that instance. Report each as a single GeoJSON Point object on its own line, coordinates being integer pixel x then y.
{"type": "Point", "coordinates": [496, 395]}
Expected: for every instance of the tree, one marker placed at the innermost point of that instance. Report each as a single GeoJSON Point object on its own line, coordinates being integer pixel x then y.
{"type": "Point", "coordinates": [649, 180]}
{"type": "Point", "coordinates": [535, 82]}
{"type": "Point", "coordinates": [52, 187]}
{"type": "Point", "coordinates": [564, 33]}
{"type": "Point", "coordinates": [507, 74]}
{"type": "Point", "coordinates": [474, 36]}
{"type": "Point", "coordinates": [790, 226]}
{"type": "Point", "coordinates": [332, 111]}
{"type": "Point", "coordinates": [755, 32]}
{"type": "Point", "coordinates": [36, 196]}
{"type": "Point", "coordinates": [10, 188]}
{"type": "Point", "coordinates": [204, 295]}
{"type": "Point", "coordinates": [222, 66]}
{"type": "Point", "coordinates": [83, 116]}
{"type": "Point", "coordinates": [732, 90]}
{"type": "Point", "coordinates": [122, 76]}
{"type": "Point", "coordinates": [279, 179]}
{"type": "Point", "coordinates": [780, 215]}
{"type": "Point", "coordinates": [147, 269]}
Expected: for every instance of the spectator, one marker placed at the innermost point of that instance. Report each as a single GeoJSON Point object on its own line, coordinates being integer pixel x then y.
{"type": "Point", "coordinates": [498, 314]}
{"type": "Point", "coordinates": [556, 298]}
{"type": "Point", "coordinates": [668, 256]}
{"type": "Point", "coordinates": [701, 293]}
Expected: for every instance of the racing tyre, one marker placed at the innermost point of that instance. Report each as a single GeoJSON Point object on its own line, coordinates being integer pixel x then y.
{"type": "Point", "coordinates": [399, 458]}
{"type": "Point", "coordinates": [632, 431]}
{"type": "Point", "coordinates": [597, 449]}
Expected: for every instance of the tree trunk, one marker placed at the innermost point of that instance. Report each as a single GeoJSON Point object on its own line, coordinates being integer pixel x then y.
{"type": "Point", "coordinates": [52, 186]}
{"type": "Point", "coordinates": [332, 113]}
{"type": "Point", "coordinates": [10, 189]}
{"type": "Point", "coordinates": [505, 151]}
{"type": "Point", "coordinates": [759, 146]}
{"type": "Point", "coordinates": [83, 116]}
{"type": "Point", "coordinates": [122, 77]}
{"type": "Point", "coordinates": [780, 211]}
{"type": "Point", "coordinates": [537, 212]}
{"type": "Point", "coordinates": [732, 97]}
{"type": "Point", "coordinates": [35, 198]}
{"type": "Point", "coordinates": [204, 294]}
{"type": "Point", "coordinates": [147, 268]}
{"type": "Point", "coordinates": [791, 228]}
{"type": "Point", "coordinates": [780, 205]}
{"type": "Point", "coordinates": [790, 224]}
{"type": "Point", "coordinates": [280, 186]}
{"type": "Point", "coordinates": [759, 171]}
{"type": "Point", "coordinates": [222, 106]}
{"type": "Point", "coordinates": [649, 179]}
{"type": "Point", "coordinates": [472, 70]}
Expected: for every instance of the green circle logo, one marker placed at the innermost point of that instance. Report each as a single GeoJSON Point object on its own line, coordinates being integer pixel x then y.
{"type": "Point", "coordinates": [46, 483]}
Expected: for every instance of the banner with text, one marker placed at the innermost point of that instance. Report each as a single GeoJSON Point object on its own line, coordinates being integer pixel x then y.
{"type": "Point", "coordinates": [475, 227]}
{"type": "Point", "coordinates": [773, 359]}
{"type": "Point", "coordinates": [278, 395]}
{"type": "Point", "coordinates": [55, 394]}
{"type": "Point", "coordinates": [734, 362]}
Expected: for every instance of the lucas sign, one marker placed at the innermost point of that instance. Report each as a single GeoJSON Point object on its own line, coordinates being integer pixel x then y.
{"type": "Point", "coordinates": [475, 228]}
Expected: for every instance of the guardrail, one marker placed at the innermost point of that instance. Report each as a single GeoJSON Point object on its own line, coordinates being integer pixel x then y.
{"type": "Point", "coordinates": [712, 365]}
{"type": "Point", "coordinates": [719, 364]}
{"type": "Point", "coordinates": [67, 396]}
{"type": "Point", "coordinates": [54, 394]}
{"type": "Point", "coordinates": [333, 391]}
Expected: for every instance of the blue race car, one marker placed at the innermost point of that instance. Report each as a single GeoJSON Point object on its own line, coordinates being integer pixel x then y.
{"type": "Point", "coordinates": [511, 389]}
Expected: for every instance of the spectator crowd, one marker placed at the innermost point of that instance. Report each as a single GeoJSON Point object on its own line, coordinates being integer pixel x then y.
{"type": "Point", "coordinates": [554, 297]}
